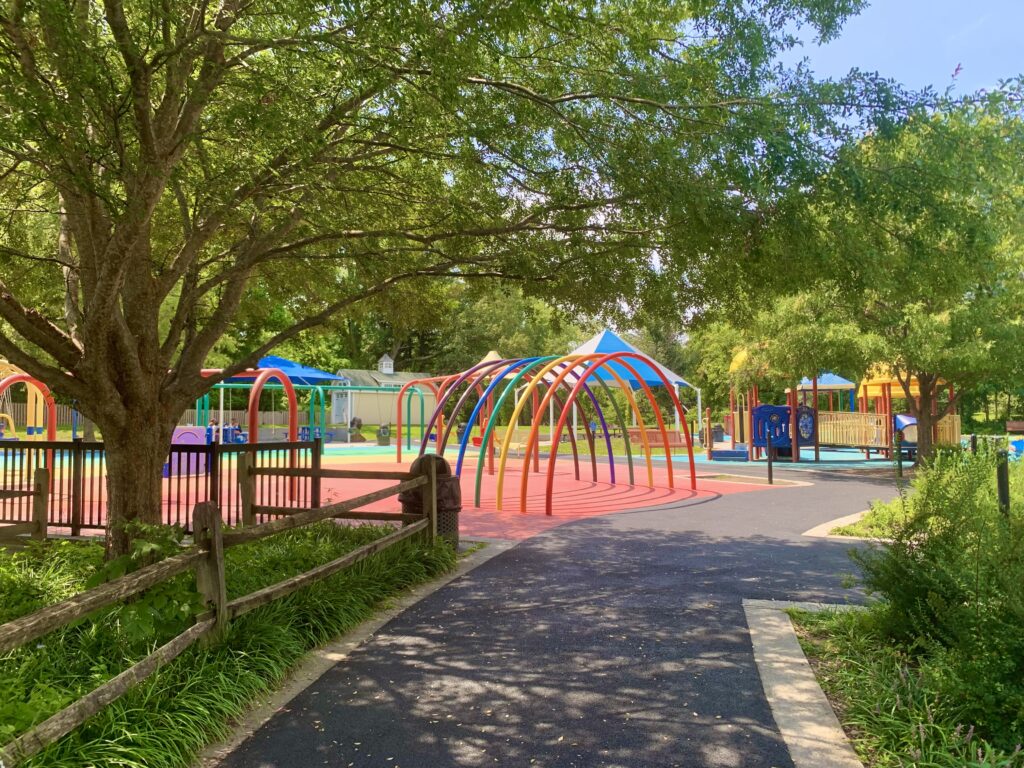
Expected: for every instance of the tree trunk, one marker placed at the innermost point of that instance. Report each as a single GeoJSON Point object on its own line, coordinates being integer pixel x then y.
{"type": "Point", "coordinates": [925, 420]}
{"type": "Point", "coordinates": [135, 458]}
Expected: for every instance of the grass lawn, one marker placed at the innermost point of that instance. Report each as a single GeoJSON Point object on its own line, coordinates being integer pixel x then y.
{"type": "Point", "coordinates": [891, 702]}
{"type": "Point", "coordinates": [166, 720]}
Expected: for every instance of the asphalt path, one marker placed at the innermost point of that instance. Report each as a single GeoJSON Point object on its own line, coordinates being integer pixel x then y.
{"type": "Point", "coordinates": [612, 641]}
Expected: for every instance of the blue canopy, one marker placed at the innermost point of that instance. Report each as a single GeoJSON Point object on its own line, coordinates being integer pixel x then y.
{"type": "Point", "coordinates": [607, 342]}
{"type": "Point", "coordinates": [827, 381]}
{"type": "Point", "coordinates": [298, 373]}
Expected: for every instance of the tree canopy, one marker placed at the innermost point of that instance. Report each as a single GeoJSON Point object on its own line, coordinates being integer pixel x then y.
{"type": "Point", "coordinates": [916, 262]}
{"type": "Point", "coordinates": [173, 172]}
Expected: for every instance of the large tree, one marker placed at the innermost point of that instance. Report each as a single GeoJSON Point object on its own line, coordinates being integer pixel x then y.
{"type": "Point", "coordinates": [169, 168]}
{"type": "Point", "coordinates": [917, 262]}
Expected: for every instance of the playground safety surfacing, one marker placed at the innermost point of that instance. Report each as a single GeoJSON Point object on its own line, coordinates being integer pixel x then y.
{"type": "Point", "coordinates": [573, 499]}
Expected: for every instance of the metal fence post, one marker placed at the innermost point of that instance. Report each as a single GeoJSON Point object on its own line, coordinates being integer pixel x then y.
{"type": "Point", "coordinates": [315, 479]}
{"type": "Point", "coordinates": [210, 581]}
{"type": "Point", "coordinates": [768, 448]}
{"type": "Point", "coordinates": [77, 485]}
{"type": "Point", "coordinates": [213, 464]}
{"type": "Point", "coordinates": [1003, 481]}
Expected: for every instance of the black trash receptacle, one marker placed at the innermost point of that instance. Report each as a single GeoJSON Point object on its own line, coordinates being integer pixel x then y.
{"type": "Point", "coordinates": [717, 433]}
{"type": "Point", "coordinates": [449, 498]}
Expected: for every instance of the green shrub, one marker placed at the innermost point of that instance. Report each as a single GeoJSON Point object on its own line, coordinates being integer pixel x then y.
{"type": "Point", "coordinates": [892, 702]}
{"type": "Point", "coordinates": [882, 521]}
{"type": "Point", "coordinates": [953, 580]}
{"type": "Point", "coordinates": [163, 722]}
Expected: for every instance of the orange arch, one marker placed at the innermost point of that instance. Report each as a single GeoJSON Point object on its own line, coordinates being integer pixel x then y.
{"type": "Point", "coordinates": [603, 362]}
{"type": "Point", "coordinates": [51, 407]}
{"type": "Point", "coordinates": [597, 359]}
{"type": "Point", "coordinates": [572, 361]}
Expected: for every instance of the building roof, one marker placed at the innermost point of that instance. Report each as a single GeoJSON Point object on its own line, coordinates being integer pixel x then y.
{"type": "Point", "coordinates": [359, 377]}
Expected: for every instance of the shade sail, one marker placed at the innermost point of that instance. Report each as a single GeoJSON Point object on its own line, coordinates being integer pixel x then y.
{"type": "Point", "coordinates": [827, 382]}
{"type": "Point", "coordinates": [298, 373]}
{"type": "Point", "coordinates": [607, 342]}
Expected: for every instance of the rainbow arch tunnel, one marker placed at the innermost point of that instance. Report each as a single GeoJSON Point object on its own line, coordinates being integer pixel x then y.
{"type": "Point", "coordinates": [552, 382]}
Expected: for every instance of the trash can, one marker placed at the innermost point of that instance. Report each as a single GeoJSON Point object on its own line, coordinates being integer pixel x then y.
{"type": "Point", "coordinates": [449, 498]}
{"type": "Point", "coordinates": [384, 435]}
{"type": "Point", "coordinates": [717, 433]}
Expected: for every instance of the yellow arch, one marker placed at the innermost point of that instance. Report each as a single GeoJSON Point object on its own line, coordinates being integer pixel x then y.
{"type": "Point", "coordinates": [537, 379]}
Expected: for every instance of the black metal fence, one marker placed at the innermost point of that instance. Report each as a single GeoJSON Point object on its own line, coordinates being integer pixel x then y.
{"type": "Point", "coordinates": [192, 474]}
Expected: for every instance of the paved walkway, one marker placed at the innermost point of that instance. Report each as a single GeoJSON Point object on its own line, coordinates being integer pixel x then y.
{"type": "Point", "coordinates": [610, 641]}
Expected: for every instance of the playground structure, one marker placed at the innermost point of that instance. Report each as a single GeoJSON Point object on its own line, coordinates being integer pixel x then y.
{"type": "Point", "coordinates": [40, 409]}
{"type": "Point", "coordinates": [547, 385]}
{"type": "Point", "coordinates": [298, 378]}
{"type": "Point", "coordinates": [870, 424]}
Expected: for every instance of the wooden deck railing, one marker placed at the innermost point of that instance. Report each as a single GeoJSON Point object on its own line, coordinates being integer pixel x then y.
{"type": "Point", "coordinates": [35, 528]}
{"type": "Point", "coordinates": [206, 559]}
{"type": "Point", "coordinates": [853, 430]}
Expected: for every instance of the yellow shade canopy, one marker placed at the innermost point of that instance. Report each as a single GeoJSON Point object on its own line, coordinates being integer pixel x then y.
{"type": "Point", "coordinates": [490, 357]}
{"type": "Point", "coordinates": [739, 360]}
{"type": "Point", "coordinates": [881, 375]}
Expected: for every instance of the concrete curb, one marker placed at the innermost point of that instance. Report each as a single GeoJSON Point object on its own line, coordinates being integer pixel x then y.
{"type": "Point", "coordinates": [822, 531]}
{"type": "Point", "coordinates": [802, 713]}
{"type": "Point", "coordinates": [318, 661]}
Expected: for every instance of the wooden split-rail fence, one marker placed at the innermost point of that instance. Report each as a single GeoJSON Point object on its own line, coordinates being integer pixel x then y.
{"type": "Point", "coordinates": [206, 559]}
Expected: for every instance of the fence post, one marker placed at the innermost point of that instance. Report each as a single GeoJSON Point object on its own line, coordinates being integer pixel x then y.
{"type": "Point", "coordinates": [315, 479]}
{"type": "Point", "coordinates": [206, 531]}
{"type": "Point", "coordinates": [974, 444]}
{"type": "Point", "coordinates": [1003, 481]}
{"type": "Point", "coordinates": [41, 502]}
{"type": "Point", "coordinates": [246, 487]}
{"type": "Point", "coordinates": [768, 448]}
{"type": "Point", "coordinates": [429, 496]}
{"type": "Point", "coordinates": [897, 440]}
{"type": "Point", "coordinates": [77, 485]}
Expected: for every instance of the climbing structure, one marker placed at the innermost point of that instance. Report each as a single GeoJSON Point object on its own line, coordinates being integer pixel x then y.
{"type": "Point", "coordinates": [496, 394]}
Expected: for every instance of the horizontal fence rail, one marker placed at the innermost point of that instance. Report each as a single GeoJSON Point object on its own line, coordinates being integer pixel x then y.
{"type": "Point", "coordinates": [206, 559]}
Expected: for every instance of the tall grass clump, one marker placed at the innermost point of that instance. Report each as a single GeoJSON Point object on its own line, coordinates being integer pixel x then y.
{"type": "Point", "coordinates": [952, 580]}
{"type": "Point", "coordinates": [166, 720]}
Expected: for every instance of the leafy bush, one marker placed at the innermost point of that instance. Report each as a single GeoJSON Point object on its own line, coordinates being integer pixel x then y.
{"type": "Point", "coordinates": [888, 699]}
{"type": "Point", "coordinates": [163, 722]}
{"type": "Point", "coordinates": [882, 521]}
{"type": "Point", "coordinates": [953, 583]}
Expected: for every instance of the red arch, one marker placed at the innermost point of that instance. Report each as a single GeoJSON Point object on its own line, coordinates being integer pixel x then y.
{"type": "Point", "coordinates": [263, 375]}
{"type": "Point", "coordinates": [51, 407]}
{"type": "Point", "coordinates": [398, 420]}
{"type": "Point", "coordinates": [603, 361]}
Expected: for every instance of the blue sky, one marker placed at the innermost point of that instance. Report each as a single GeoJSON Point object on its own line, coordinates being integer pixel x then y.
{"type": "Point", "coordinates": [921, 42]}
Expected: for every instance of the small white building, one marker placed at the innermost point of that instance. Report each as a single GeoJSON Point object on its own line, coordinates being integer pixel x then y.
{"type": "Point", "coordinates": [379, 406]}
